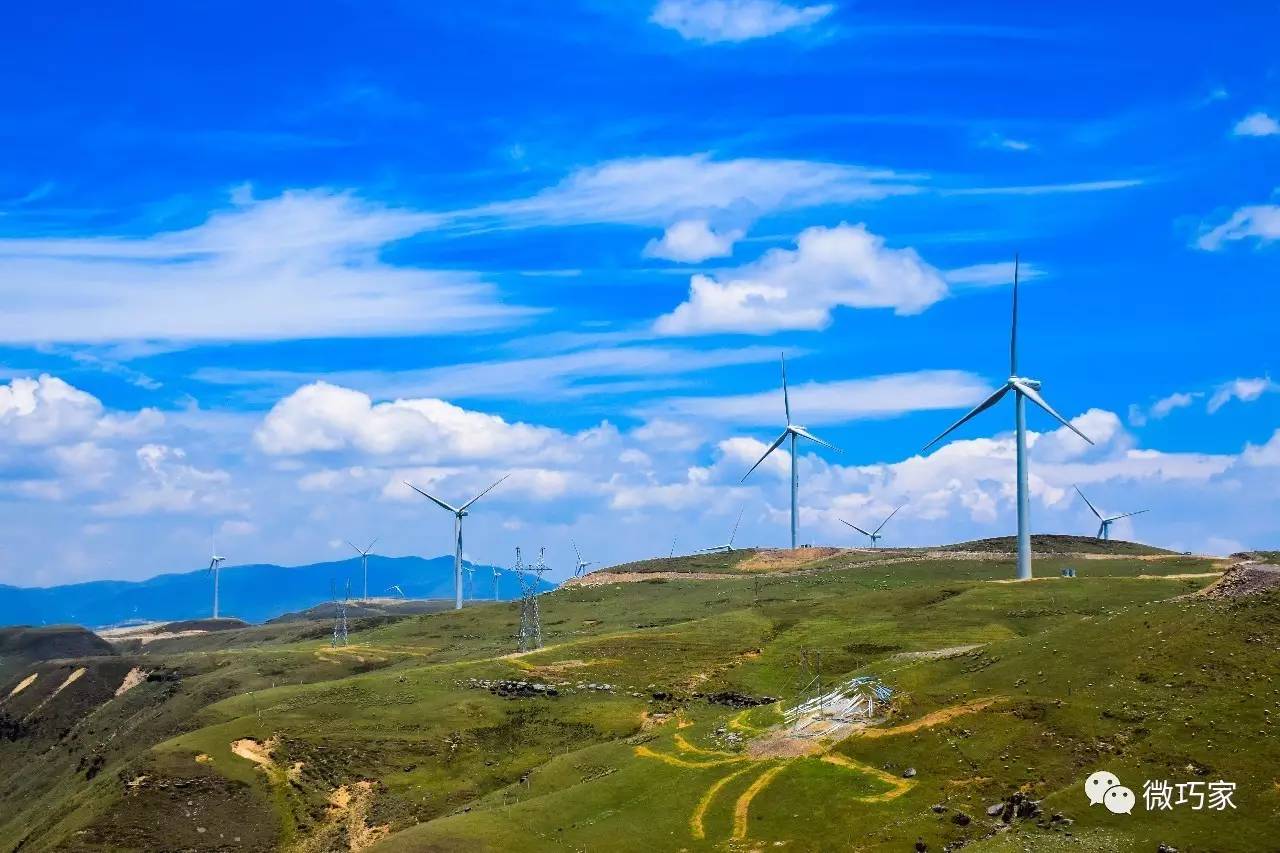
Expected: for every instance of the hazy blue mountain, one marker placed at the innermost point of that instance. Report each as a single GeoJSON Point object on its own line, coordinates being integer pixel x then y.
{"type": "Point", "coordinates": [253, 593]}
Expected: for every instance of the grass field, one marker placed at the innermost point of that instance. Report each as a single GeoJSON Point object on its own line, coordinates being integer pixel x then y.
{"type": "Point", "coordinates": [267, 738]}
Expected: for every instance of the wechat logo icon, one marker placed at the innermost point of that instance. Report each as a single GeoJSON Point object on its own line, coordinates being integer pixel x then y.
{"type": "Point", "coordinates": [1104, 788]}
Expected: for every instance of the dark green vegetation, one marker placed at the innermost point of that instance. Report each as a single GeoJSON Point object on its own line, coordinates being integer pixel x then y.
{"type": "Point", "coordinates": [22, 645]}
{"type": "Point", "coordinates": [398, 742]}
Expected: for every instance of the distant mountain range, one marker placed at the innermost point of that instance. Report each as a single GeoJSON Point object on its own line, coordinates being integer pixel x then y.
{"type": "Point", "coordinates": [254, 593]}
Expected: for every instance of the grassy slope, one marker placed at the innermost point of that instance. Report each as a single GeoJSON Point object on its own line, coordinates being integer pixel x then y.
{"type": "Point", "coordinates": [1098, 674]}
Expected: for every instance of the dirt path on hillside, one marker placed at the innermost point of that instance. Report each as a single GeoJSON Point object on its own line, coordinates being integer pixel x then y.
{"type": "Point", "coordinates": [937, 718]}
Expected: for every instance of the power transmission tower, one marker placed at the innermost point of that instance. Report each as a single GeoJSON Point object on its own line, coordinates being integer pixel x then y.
{"type": "Point", "coordinates": [339, 615]}
{"type": "Point", "coordinates": [530, 618]}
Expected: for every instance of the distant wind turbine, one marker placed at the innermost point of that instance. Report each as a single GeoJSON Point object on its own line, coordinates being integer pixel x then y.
{"type": "Point", "coordinates": [874, 535]}
{"type": "Point", "coordinates": [582, 564]}
{"type": "Point", "coordinates": [728, 546]}
{"type": "Point", "coordinates": [494, 569]}
{"type": "Point", "coordinates": [214, 562]}
{"type": "Point", "coordinates": [458, 514]}
{"type": "Point", "coordinates": [364, 563]}
{"type": "Point", "coordinates": [1023, 389]}
{"type": "Point", "coordinates": [1104, 528]}
{"type": "Point", "coordinates": [792, 431]}
{"type": "Point", "coordinates": [397, 588]}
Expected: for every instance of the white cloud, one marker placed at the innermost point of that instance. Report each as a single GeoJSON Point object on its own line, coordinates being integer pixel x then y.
{"type": "Point", "coordinates": [1162, 408]}
{"type": "Point", "coordinates": [991, 274]}
{"type": "Point", "coordinates": [46, 411]}
{"type": "Point", "coordinates": [1261, 221]}
{"type": "Point", "coordinates": [1257, 124]}
{"type": "Point", "coordinates": [169, 484]}
{"type": "Point", "coordinates": [735, 20]}
{"type": "Point", "coordinates": [1264, 455]}
{"type": "Point", "coordinates": [997, 140]}
{"type": "Point", "coordinates": [1050, 189]}
{"type": "Point", "coordinates": [323, 417]}
{"type": "Point", "coordinates": [303, 264]}
{"type": "Point", "coordinates": [691, 241]}
{"type": "Point", "coordinates": [835, 402]}
{"type": "Point", "coordinates": [1246, 390]}
{"type": "Point", "coordinates": [662, 190]}
{"type": "Point", "coordinates": [845, 266]}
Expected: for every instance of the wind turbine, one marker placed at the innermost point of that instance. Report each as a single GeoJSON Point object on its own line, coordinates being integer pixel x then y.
{"type": "Point", "coordinates": [581, 564]}
{"type": "Point", "coordinates": [874, 535]}
{"type": "Point", "coordinates": [458, 514]}
{"type": "Point", "coordinates": [792, 431]}
{"type": "Point", "coordinates": [471, 581]}
{"type": "Point", "coordinates": [397, 588]}
{"type": "Point", "coordinates": [1104, 528]}
{"type": "Point", "coordinates": [214, 562]}
{"type": "Point", "coordinates": [1023, 389]}
{"type": "Point", "coordinates": [364, 563]}
{"type": "Point", "coordinates": [728, 546]}
{"type": "Point", "coordinates": [494, 569]}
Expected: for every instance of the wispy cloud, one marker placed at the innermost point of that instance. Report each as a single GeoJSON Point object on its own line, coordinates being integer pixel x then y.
{"type": "Point", "coordinates": [1246, 390]}
{"type": "Point", "coordinates": [1049, 189]}
{"type": "Point", "coordinates": [1259, 221]}
{"type": "Point", "coordinates": [991, 274]}
{"type": "Point", "coordinates": [834, 402]}
{"type": "Point", "coordinates": [304, 264]}
{"type": "Point", "coordinates": [714, 21]}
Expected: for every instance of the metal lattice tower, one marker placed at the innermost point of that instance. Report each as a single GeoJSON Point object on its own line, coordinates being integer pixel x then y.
{"type": "Point", "coordinates": [530, 618]}
{"type": "Point", "coordinates": [340, 615]}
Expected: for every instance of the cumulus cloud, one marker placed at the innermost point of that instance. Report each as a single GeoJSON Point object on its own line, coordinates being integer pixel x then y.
{"type": "Point", "coordinates": [46, 410]}
{"type": "Point", "coordinates": [325, 417]}
{"type": "Point", "coordinates": [303, 264]}
{"type": "Point", "coordinates": [691, 241]}
{"type": "Point", "coordinates": [845, 266]}
{"type": "Point", "coordinates": [735, 20]}
{"type": "Point", "coordinates": [1259, 221]}
{"type": "Point", "coordinates": [1257, 124]}
{"type": "Point", "coordinates": [168, 483]}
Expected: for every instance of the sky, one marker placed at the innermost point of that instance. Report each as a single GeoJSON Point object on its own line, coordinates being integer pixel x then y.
{"type": "Point", "coordinates": [259, 265]}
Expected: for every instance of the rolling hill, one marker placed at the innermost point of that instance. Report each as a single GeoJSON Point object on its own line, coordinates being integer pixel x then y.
{"type": "Point", "coordinates": [652, 718]}
{"type": "Point", "coordinates": [254, 593]}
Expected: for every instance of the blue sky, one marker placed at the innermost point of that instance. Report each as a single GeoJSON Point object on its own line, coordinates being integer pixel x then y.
{"type": "Point", "coordinates": [259, 266]}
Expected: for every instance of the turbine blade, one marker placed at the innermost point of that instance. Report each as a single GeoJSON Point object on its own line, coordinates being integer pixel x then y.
{"type": "Point", "coordinates": [804, 433]}
{"type": "Point", "coordinates": [431, 498]}
{"type": "Point", "coordinates": [485, 492]}
{"type": "Point", "coordinates": [982, 407]}
{"type": "Point", "coordinates": [1034, 396]}
{"type": "Point", "coordinates": [354, 548]}
{"type": "Point", "coordinates": [1086, 500]}
{"type": "Point", "coordinates": [735, 525]}
{"type": "Point", "coordinates": [371, 544]}
{"type": "Point", "coordinates": [1013, 337]}
{"type": "Point", "coordinates": [1127, 514]}
{"type": "Point", "coordinates": [772, 448]}
{"type": "Point", "coordinates": [886, 521]}
{"type": "Point", "coordinates": [856, 527]}
{"type": "Point", "coordinates": [786, 397]}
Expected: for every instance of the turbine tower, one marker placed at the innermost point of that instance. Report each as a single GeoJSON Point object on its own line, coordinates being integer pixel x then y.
{"type": "Point", "coordinates": [728, 546]}
{"type": "Point", "coordinates": [582, 564]}
{"type": "Point", "coordinates": [494, 569]}
{"type": "Point", "coordinates": [214, 562]}
{"type": "Point", "coordinates": [1023, 389]}
{"type": "Point", "coordinates": [1104, 526]}
{"type": "Point", "coordinates": [364, 563]}
{"type": "Point", "coordinates": [874, 535]}
{"type": "Point", "coordinates": [792, 431]}
{"type": "Point", "coordinates": [458, 514]}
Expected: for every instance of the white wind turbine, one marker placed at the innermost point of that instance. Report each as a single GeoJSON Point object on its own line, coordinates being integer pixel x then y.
{"type": "Point", "coordinates": [1104, 526]}
{"type": "Point", "coordinates": [582, 564]}
{"type": "Point", "coordinates": [874, 535]}
{"type": "Point", "coordinates": [1023, 389]}
{"type": "Point", "coordinates": [792, 432]}
{"type": "Point", "coordinates": [458, 514]}
{"type": "Point", "coordinates": [364, 563]}
{"type": "Point", "coordinates": [494, 569]}
{"type": "Point", "coordinates": [214, 562]}
{"type": "Point", "coordinates": [728, 546]}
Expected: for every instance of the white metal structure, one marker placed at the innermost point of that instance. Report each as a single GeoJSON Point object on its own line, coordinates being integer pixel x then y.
{"type": "Point", "coordinates": [458, 514]}
{"type": "Point", "coordinates": [874, 535]}
{"type": "Point", "coordinates": [1104, 525]}
{"type": "Point", "coordinates": [214, 562]}
{"type": "Point", "coordinates": [728, 546]}
{"type": "Point", "coordinates": [581, 565]}
{"type": "Point", "coordinates": [1023, 389]}
{"type": "Point", "coordinates": [364, 563]}
{"type": "Point", "coordinates": [792, 432]}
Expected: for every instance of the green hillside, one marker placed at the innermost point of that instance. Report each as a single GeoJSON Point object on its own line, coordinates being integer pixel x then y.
{"type": "Point", "coordinates": [644, 732]}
